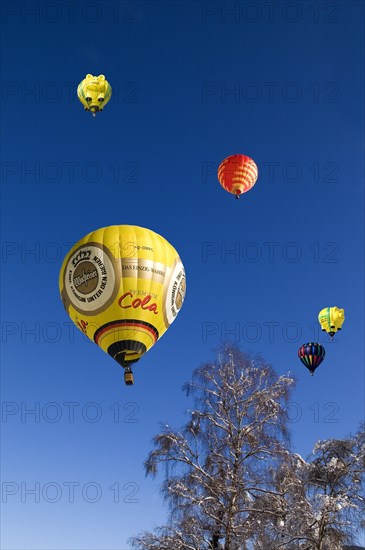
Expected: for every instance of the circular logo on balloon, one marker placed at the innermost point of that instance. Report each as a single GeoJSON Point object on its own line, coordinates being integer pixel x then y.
{"type": "Point", "coordinates": [90, 279]}
{"type": "Point", "coordinates": [175, 293]}
{"type": "Point", "coordinates": [85, 277]}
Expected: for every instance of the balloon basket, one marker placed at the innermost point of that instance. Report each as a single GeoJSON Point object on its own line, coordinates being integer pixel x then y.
{"type": "Point", "coordinates": [129, 378]}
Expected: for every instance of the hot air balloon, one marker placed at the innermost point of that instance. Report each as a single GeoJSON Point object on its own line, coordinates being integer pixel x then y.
{"type": "Point", "coordinates": [311, 355]}
{"type": "Point", "coordinates": [94, 93]}
{"type": "Point", "coordinates": [331, 319]}
{"type": "Point", "coordinates": [123, 286]}
{"type": "Point", "coordinates": [237, 174]}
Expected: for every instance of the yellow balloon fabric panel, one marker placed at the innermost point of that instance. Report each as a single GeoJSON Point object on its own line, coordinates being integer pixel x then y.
{"type": "Point", "coordinates": [123, 286]}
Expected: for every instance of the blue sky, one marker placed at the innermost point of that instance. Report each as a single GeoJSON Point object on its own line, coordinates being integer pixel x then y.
{"type": "Point", "coordinates": [193, 82]}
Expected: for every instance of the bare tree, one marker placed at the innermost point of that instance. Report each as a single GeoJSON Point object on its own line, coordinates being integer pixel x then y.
{"type": "Point", "coordinates": [219, 465]}
{"type": "Point", "coordinates": [335, 490]}
{"type": "Point", "coordinates": [320, 502]}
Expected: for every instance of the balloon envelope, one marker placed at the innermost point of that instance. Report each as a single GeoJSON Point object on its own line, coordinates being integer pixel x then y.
{"type": "Point", "coordinates": [311, 355]}
{"type": "Point", "coordinates": [123, 286]}
{"type": "Point", "coordinates": [237, 174]}
{"type": "Point", "coordinates": [331, 319]}
{"type": "Point", "coordinates": [94, 92]}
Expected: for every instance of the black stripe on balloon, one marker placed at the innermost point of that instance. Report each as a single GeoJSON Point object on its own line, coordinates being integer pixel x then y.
{"type": "Point", "coordinates": [119, 349]}
{"type": "Point", "coordinates": [119, 322]}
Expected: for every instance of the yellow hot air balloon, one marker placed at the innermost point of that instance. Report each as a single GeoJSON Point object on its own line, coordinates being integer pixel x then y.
{"type": "Point", "coordinates": [123, 286]}
{"type": "Point", "coordinates": [331, 319]}
{"type": "Point", "coordinates": [94, 93]}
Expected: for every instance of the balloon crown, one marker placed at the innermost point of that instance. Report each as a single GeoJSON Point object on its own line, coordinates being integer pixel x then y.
{"type": "Point", "coordinates": [82, 256]}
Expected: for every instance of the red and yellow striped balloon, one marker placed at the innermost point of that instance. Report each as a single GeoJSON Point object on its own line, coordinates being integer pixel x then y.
{"type": "Point", "coordinates": [237, 174]}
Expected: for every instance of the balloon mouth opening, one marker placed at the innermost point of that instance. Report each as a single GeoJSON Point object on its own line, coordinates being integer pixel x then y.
{"type": "Point", "coordinates": [127, 358]}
